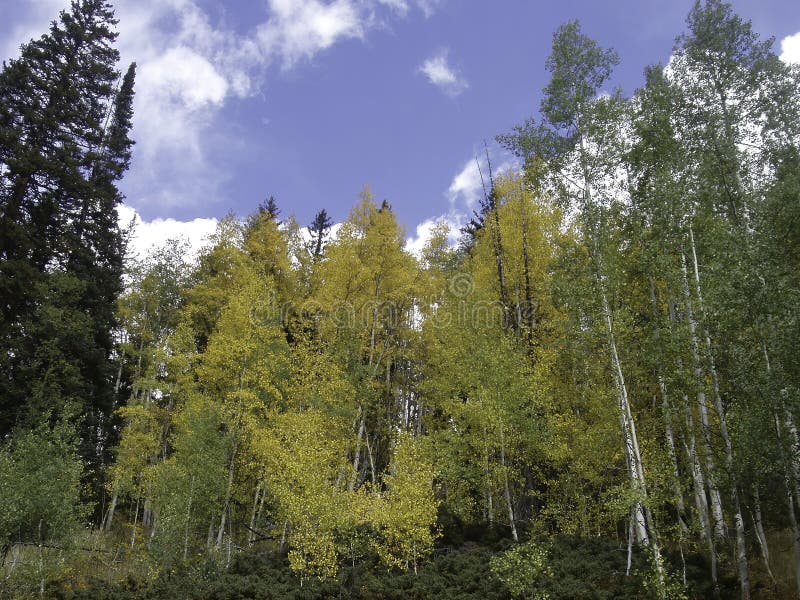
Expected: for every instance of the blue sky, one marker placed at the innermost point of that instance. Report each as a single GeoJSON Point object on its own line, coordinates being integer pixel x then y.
{"type": "Point", "coordinates": [308, 100]}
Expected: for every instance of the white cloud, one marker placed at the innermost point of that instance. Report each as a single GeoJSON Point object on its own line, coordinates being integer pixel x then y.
{"type": "Point", "coordinates": [39, 14]}
{"type": "Point", "coordinates": [333, 232]}
{"type": "Point", "coordinates": [790, 48]}
{"type": "Point", "coordinates": [466, 187]}
{"type": "Point", "coordinates": [442, 75]}
{"type": "Point", "coordinates": [149, 234]}
{"type": "Point", "coordinates": [463, 194]}
{"type": "Point", "coordinates": [182, 75]}
{"type": "Point", "coordinates": [424, 231]}
{"type": "Point", "coordinates": [402, 7]}
{"type": "Point", "coordinates": [176, 93]}
{"type": "Point", "coordinates": [190, 68]}
{"type": "Point", "coordinates": [187, 70]}
{"type": "Point", "coordinates": [299, 29]}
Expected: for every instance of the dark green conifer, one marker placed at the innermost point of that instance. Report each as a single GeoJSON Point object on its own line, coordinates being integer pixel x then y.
{"type": "Point", "coordinates": [63, 146]}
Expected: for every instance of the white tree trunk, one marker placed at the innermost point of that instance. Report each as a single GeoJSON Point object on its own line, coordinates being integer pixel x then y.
{"type": "Point", "coordinates": [741, 545]}
{"type": "Point", "coordinates": [791, 490]}
{"type": "Point", "coordinates": [630, 441]}
{"type": "Point", "coordinates": [667, 413]}
{"type": "Point", "coordinates": [702, 407]}
{"type": "Point", "coordinates": [701, 504]}
{"type": "Point", "coordinates": [758, 523]}
{"type": "Point", "coordinates": [507, 489]}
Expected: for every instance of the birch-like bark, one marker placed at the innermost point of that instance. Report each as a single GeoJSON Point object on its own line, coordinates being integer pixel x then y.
{"type": "Point", "coordinates": [791, 486]}
{"type": "Point", "coordinates": [667, 413]}
{"type": "Point", "coordinates": [373, 475]}
{"type": "Point", "coordinates": [210, 536]}
{"type": "Point", "coordinates": [356, 459]}
{"type": "Point", "coordinates": [282, 547]}
{"type": "Point", "coordinates": [701, 504]}
{"type": "Point", "coordinates": [702, 407]}
{"type": "Point", "coordinates": [630, 441]}
{"type": "Point", "coordinates": [111, 508]}
{"type": "Point", "coordinates": [135, 521]}
{"type": "Point", "coordinates": [118, 380]}
{"type": "Point", "coordinates": [228, 491]}
{"type": "Point", "coordinates": [741, 545]}
{"type": "Point", "coordinates": [261, 506]}
{"type": "Point", "coordinates": [252, 535]}
{"type": "Point", "coordinates": [631, 522]}
{"type": "Point", "coordinates": [642, 516]}
{"type": "Point", "coordinates": [794, 451]}
{"type": "Point", "coordinates": [758, 524]}
{"type": "Point", "coordinates": [507, 489]}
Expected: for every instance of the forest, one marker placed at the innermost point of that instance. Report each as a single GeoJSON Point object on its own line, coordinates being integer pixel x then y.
{"type": "Point", "coordinates": [594, 394]}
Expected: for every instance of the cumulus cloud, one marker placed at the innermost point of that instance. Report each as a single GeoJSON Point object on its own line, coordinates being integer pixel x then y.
{"type": "Point", "coordinates": [424, 232]}
{"type": "Point", "coordinates": [190, 68]}
{"type": "Point", "coordinates": [299, 29]}
{"type": "Point", "coordinates": [150, 234]}
{"type": "Point", "coordinates": [463, 194]}
{"type": "Point", "coordinates": [437, 70]}
{"type": "Point", "coordinates": [466, 187]}
{"type": "Point", "coordinates": [38, 15]}
{"type": "Point", "coordinates": [790, 48]}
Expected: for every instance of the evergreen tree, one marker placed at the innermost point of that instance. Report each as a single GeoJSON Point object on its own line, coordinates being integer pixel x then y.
{"type": "Point", "coordinates": [63, 146]}
{"type": "Point", "coordinates": [270, 207]}
{"type": "Point", "coordinates": [319, 229]}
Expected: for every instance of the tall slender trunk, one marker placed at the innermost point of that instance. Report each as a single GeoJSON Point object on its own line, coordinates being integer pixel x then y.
{"type": "Point", "coordinates": [680, 502]}
{"type": "Point", "coordinates": [135, 521]}
{"type": "Point", "coordinates": [642, 516]}
{"type": "Point", "coordinates": [794, 450]}
{"type": "Point", "coordinates": [252, 534]}
{"type": "Point", "coordinates": [118, 379]}
{"type": "Point", "coordinates": [110, 514]}
{"type": "Point", "coordinates": [701, 504]}
{"type": "Point", "coordinates": [507, 489]}
{"type": "Point", "coordinates": [373, 475]}
{"type": "Point", "coordinates": [490, 199]}
{"type": "Point", "coordinates": [261, 506]}
{"type": "Point", "coordinates": [758, 524]}
{"type": "Point", "coordinates": [791, 489]}
{"type": "Point", "coordinates": [741, 545]}
{"type": "Point", "coordinates": [228, 491]}
{"type": "Point", "coordinates": [631, 526]}
{"type": "Point", "coordinates": [282, 546]}
{"type": "Point", "coordinates": [354, 478]}
{"type": "Point", "coordinates": [630, 441]}
{"type": "Point", "coordinates": [667, 414]}
{"type": "Point", "coordinates": [702, 407]}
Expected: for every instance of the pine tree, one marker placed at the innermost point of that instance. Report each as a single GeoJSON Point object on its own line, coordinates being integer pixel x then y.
{"type": "Point", "coordinates": [319, 229]}
{"type": "Point", "coordinates": [63, 146]}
